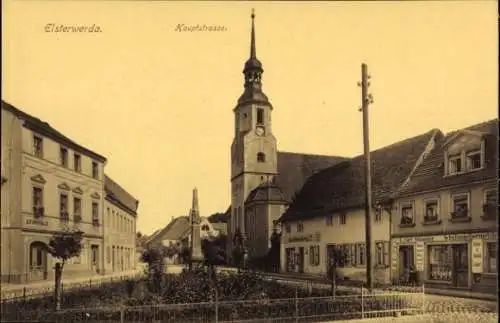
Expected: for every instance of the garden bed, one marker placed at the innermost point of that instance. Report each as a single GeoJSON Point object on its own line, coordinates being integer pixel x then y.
{"type": "Point", "coordinates": [191, 297]}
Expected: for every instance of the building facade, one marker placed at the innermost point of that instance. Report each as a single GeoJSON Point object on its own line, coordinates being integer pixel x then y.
{"type": "Point", "coordinates": [119, 228]}
{"type": "Point", "coordinates": [328, 212]}
{"type": "Point", "coordinates": [52, 184]}
{"type": "Point", "coordinates": [446, 224]}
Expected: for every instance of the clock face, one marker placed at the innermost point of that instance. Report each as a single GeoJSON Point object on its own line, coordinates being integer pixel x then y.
{"type": "Point", "coordinates": [259, 131]}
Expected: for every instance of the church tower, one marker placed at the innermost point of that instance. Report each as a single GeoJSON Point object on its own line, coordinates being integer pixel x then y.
{"type": "Point", "coordinates": [253, 150]}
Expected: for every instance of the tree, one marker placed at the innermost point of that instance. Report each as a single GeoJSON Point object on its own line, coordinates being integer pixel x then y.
{"type": "Point", "coordinates": [154, 256]}
{"type": "Point", "coordinates": [238, 251]}
{"type": "Point", "coordinates": [274, 252]}
{"type": "Point", "coordinates": [338, 258]}
{"type": "Point", "coordinates": [213, 254]}
{"type": "Point", "coordinates": [63, 246]}
{"type": "Point", "coordinates": [184, 251]}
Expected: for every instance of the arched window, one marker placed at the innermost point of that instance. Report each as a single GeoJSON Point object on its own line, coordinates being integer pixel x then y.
{"type": "Point", "coordinates": [261, 157]}
{"type": "Point", "coordinates": [205, 227]}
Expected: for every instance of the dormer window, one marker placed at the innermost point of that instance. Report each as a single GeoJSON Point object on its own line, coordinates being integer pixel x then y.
{"type": "Point", "coordinates": [474, 160]}
{"type": "Point", "coordinates": [455, 164]}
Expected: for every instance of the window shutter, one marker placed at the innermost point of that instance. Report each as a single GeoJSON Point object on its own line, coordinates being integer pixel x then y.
{"type": "Point", "coordinates": [386, 253]}
{"type": "Point", "coordinates": [317, 255]}
{"type": "Point", "coordinates": [356, 254]}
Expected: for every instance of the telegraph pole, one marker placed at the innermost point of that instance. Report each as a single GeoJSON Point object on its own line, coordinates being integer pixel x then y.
{"type": "Point", "coordinates": [366, 99]}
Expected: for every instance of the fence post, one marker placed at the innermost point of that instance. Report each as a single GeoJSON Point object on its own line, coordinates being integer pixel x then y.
{"type": "Point", "coordinates": [122, 313]}
{"type": "Point", "coordinates": [362, 303]}
{"type": "Point", "coordinates": [423, 298]}
{"type": "Point", "coordinates": [216, 306]}
{"type": "Point", "coordinates": [296, 303]}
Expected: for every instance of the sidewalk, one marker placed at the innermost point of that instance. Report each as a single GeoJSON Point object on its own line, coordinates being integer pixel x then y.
{"type": "Point", "coordinates": [356, 284]}
{"type": "Point", "coordinates": [10, 291]}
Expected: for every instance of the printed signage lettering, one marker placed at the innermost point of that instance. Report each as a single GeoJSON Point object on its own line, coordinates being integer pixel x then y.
{"type": "Point", "coordinates": [36, 222]}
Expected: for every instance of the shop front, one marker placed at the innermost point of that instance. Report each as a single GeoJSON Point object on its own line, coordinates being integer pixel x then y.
{"type": "Point", "coordinates": [460, 260]}
{"type": "Point", "coordinates": [302, 253]}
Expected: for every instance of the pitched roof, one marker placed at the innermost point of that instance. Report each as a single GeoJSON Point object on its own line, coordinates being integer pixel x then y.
{"type": "Point", "coordinates": [172, 231]}
{"type": "Point", "coordinates": [115, 193]}
{"type": "Point", "coordinates": [430, 174]}
{"type": "Point", "coordinates": [295, 168]}
{"type": "Point", "coordinates": [342, 186]}
{"type": "Point", "coordinates": [43, 128]}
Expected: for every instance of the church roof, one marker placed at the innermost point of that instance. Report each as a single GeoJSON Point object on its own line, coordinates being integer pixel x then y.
{"type": "Point", "coordinates": [266, 192]}
{"type": "Point", "coordinates": [341, 186]}
{"type": "Point", "coordinates": [295, 168]}
{"type": "Point", "coordinates": [429, 175]}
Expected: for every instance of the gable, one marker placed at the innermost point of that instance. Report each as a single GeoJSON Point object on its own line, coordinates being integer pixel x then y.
{"type": "Point", "coordinates": [462, 141]}
{"type": "Point", "coordinates": [64, 186]}
{"type": "Point", "coordinates": [38, 179]}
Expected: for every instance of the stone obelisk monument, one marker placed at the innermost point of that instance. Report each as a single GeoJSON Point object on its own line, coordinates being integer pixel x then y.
{"type": "Point", "coordinates": [194, 217]}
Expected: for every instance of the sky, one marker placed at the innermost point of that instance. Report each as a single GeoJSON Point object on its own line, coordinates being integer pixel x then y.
{"type": "Point", "coordinates": [157, 102]}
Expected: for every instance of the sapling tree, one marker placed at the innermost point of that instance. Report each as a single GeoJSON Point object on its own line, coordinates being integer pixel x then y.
{"type": "Point", "coordinates": [154, 256]}
{"type": "Point", "coordinates": [63, 246]}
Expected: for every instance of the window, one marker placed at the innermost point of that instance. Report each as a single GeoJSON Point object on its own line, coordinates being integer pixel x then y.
{"type": "Point", "coordinates": [361, 254]}
{"type": "Point", "coordinates": [77, 163]}
{"type": "Point", "coordinates": [37, 201]}
{"type": "Point", "coordinates": [455, 164]}
{"type": "Point", "coordinates": [94, 253]}
{"type": "Point", "coordinates": [260, 116]}
{"type": "Point", "coordinates": [314, 255]}
{"type": "Point", "coordinates": [300, 226]}
{"type": "Point", "coordinates": [261, 157]}
{"type": "Point", "coordinates": [64, 156]}
{"type": "Point", "coordinates": [95, 214]}
{"type": "Point", "coordinates": [108, 254]}
{"type": "Point", "coordinates": [491, 257]}
{"type": "Point", "coordinates": [329, 220]}
{"type": "Point", "coordinates": [407, 214]}
{"type": "Point", "coordinates": [343, 218]}
{"type": "Point", "coordinates": [37, 146]}
{"type": "Point", "coordinates": [460, 206]}
{"type": "Point", "coordinates": [63, 206]}
{"type": "Point", "coordinates": [205, 227]}
{"type": "Point", "coordinates": [431, 210]}
{"type": "Point", "coordinates": [95, 170]}
{"type": "Point", "coordinates": [77, 209]}
{"type": "Point", "coordinates": [382, 253]}
{"type": "Point", "coordinates": [440, 262]}
{"type": "Point", "coordinates": [490, 205]}
{"type": "Point", "coordinates": [474, 160]}
{"type": "Point", "coordinates": [288, 228]}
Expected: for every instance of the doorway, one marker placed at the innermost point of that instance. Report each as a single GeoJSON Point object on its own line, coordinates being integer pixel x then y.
{"type": "Point", "coordinates": [38, 261]}
{"type": "Point", "coordinates": [95, 258]}
{"type": "Point", "coordinates": [290, 263]}
{"type": "Point", "coordinates": [406, 260]}
{"type": "Point", "coordinates": [460, 276]}
{"type": "Point", "coordinates": [300, 260]}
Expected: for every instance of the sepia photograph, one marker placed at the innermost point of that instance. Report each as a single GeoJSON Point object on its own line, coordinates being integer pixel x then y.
{"type": "Point", "coordinates": [249, 161]}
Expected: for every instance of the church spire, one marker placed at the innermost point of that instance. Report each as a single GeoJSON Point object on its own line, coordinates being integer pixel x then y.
{"type": "Point", "coordinates": [253, 67]}
{"type": "Point", "coordinates": [252, 39]}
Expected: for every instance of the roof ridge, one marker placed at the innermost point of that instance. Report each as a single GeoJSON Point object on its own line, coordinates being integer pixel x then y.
{"type": "Point", "coordinates": [310, 154]}
{"type": "Point", "coordinates": [483, 123]}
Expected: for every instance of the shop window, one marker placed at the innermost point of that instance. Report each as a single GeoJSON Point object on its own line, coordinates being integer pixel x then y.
{"type": "Point", "coordinates": [440, 262]}
{"type": "Point", "coordinates": [314, 255]}
{"type": "Point", "coordinates": [491, 257]}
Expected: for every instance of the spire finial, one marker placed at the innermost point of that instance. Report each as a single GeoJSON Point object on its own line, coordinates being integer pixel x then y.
{"type": "Point", "coordinates": [252, 40]}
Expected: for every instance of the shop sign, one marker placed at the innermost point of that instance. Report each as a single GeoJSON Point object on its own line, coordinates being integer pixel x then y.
{"type": "Point", "coordinates": [419, 255]}
{"type": "Point", "coordinates": [477, 256]}
{"type": "Point", "coordinates": [449, 237]}
{"type": "Point", "coordinates": [36, 222]}
{"type": "Point", "coordinates": [305, 238]}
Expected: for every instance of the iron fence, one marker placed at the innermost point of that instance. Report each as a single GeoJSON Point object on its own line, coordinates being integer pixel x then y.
{"type": "Point", "coordinates": [38, 290]}
{"type": "Point", "coordinates": [297, 309]}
